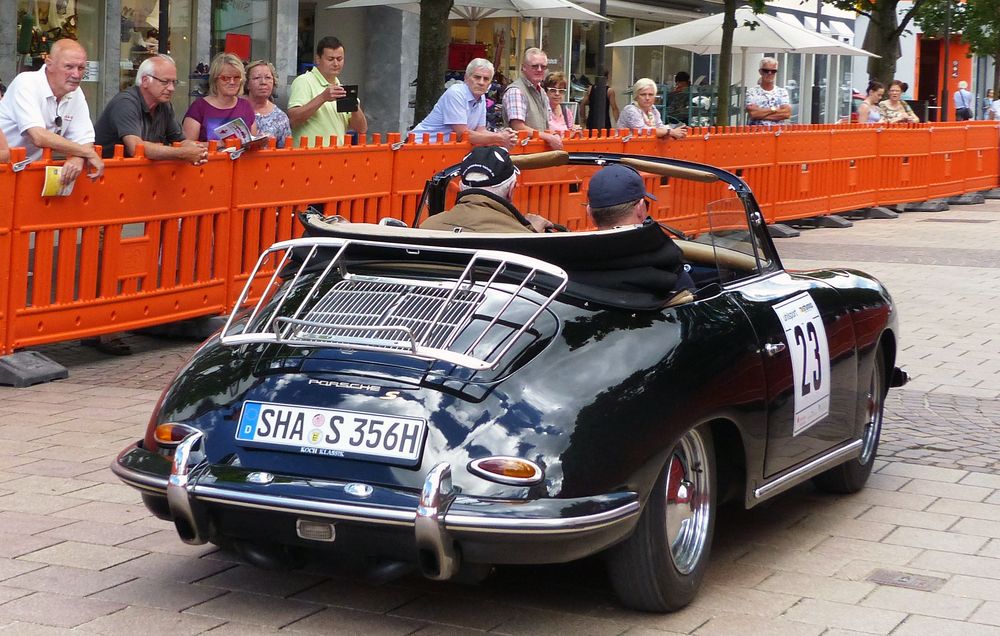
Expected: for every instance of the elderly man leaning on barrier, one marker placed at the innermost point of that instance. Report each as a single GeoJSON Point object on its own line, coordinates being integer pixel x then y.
{"type": "Point", "coordinates": [525, 106]}
{"type": "Point", "coordinates": [312, 99]}
{"type": "Point", "coordinates": [47, 109]}
{"type": "Point", "coordinates": [484, 204]}
{"type": "Point", "coordinates": [142, 114]}
{"type": "Point", "coordinates": [462, 109]}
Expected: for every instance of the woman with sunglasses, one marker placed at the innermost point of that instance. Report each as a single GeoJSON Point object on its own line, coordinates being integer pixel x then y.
{"type": "Point", "coordinates": [555, 89]}
{"type": "Point", "coordinates": [271, 120]}
{"type": "Point", "coordinates": [767, 104]}
{"type": "Point", "coordinates": [223, 103]}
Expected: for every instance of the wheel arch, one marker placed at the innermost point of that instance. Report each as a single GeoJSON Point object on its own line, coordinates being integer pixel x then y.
{"type": "Point", "coordinates": [730, 459]}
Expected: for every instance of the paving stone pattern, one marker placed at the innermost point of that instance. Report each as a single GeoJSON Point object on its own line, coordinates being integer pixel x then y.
{"type": "Point", "coordinates": [80, 555]}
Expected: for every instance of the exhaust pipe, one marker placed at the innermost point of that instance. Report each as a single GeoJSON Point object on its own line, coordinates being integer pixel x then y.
{"type": "Point", "coordinates": [436, 552]}
{"type": "Point", "coordinates": [190, 519]}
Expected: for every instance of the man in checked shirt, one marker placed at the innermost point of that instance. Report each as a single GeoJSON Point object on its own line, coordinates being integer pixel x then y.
{"type": "Point", "coordinates": [525, 105]}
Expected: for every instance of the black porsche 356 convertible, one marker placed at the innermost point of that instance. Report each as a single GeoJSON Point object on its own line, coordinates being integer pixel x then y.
{"type": "Point", "coordinates": [456, 400]}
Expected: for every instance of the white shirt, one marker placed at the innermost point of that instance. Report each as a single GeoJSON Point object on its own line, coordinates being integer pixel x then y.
{"type": "Point", "coordinates": [29, 103]}
{"type": "Point", "coordinates": [995, 109]}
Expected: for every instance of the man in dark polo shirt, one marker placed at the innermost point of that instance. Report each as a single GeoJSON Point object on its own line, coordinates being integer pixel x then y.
{"type": "Point", "coordinates": [142, 114]}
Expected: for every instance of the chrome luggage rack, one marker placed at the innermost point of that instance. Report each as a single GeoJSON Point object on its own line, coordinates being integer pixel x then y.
{"type": "Point", "coordinates": [469, 319]}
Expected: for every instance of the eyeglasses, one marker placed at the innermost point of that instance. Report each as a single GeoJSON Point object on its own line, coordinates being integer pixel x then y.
{"type": "Point", "coordinates": [230, 78]}
{"type": "Point", "coordinates": [58, 124]}
{"type": "Point", "coordinates": [768, 71]}
{"type": "Point", "coordinates": [539, 67]}
{"type": "Point", "coordinates": [556, 90]}
{"type": "Point", "coordinates": [165, 82]}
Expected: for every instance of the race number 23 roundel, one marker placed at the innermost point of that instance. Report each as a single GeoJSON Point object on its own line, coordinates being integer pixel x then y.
{"type": "Point", "coordinates": [810, 353]}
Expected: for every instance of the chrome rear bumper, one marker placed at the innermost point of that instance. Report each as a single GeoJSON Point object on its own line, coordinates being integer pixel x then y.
{"type": "Point", "coordinates": [439, 519]}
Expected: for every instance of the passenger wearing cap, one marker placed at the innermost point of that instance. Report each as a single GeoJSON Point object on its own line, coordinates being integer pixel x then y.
{"type": "Point", "coordinates": [617, 196]}
{"type": "Point", "coordinates": [484, 203]}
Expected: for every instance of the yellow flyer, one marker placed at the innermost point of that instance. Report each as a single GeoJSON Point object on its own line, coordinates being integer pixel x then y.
{"type": "Point", "coordinates": [52, 187]}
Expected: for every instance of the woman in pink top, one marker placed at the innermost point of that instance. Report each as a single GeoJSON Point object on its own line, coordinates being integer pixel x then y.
{"type": "Point", "coordinates": [223, 103]}
{"type": "Point", "coordinates": [555, 88]}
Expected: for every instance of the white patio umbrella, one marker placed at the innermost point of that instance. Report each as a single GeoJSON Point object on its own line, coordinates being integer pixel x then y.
{"type": "Point", "coordinates": [473, 11]}
{"type": "Point", "coordinates": [754, 33]}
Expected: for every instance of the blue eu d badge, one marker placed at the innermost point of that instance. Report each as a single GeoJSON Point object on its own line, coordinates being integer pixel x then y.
{"type": "Point", "coordinates": [248, 420]}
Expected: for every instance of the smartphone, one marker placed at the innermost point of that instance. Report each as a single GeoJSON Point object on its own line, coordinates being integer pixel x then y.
{"type": "Point", "coordinates": [348, 103]}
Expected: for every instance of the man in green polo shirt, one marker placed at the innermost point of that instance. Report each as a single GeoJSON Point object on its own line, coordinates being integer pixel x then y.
{"type": "Point", "coordinates": [312, 107]}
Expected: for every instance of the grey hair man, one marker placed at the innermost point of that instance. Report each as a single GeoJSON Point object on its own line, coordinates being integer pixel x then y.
{"type": "Point", "coordinates": [484, 203]}
{"type": "Point", "coordinates": [462, 109]}
{"type": "Point", "coordinates": [525, 104]}
{"type": "Point", "coordinates": [766, 103]}
{"type": "Point", "coordinates": [143, 114]}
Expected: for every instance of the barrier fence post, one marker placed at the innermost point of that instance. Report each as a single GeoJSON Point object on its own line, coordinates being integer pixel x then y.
{"type": "Point", "coordinates": [8, 183]}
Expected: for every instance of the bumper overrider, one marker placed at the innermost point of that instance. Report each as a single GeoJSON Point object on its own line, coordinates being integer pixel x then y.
{"type": "Point", "coordinates": [444, 526]}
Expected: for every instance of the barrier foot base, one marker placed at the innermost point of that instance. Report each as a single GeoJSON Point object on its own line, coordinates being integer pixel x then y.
{"type": "Point", "coordinates": [969, 198]}
{"type": "Point", "coordinates": [991, 194]}
{"type": "Point", "coordinates": [877, 212]}
{"type": "Point", "coordinates": [780, 230]}
{"type": "Point", "coordinates": [830, 220]}
{"type": "Point", "coordinates": [193, 329]}
{"type": "Point", "coordinates": [25, 368]}
{"type": "Point", "coordinates": [932, 205]}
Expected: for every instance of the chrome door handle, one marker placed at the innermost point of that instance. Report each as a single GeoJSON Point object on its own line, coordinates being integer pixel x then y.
{"type": "Point", "coordinates": [774, 349]}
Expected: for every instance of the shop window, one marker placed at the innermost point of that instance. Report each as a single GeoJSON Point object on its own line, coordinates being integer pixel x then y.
{"type": "Point", "coordinates": [139, 37]}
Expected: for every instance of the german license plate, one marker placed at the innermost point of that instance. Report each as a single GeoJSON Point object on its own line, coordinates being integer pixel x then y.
{"type": "Point", "coordinates": [393, 439]}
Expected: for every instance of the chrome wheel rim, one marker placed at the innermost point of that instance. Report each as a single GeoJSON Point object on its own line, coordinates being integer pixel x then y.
{"type": "Point", "coordinates": [688, 501]}
{"type": "Point", "coordinates": [873, 415]}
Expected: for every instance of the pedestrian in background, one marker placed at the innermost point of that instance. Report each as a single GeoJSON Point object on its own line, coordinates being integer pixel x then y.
{"type": "Point", "coordinates": [271, 120]}
{"type": "Point", "coordinates": [895, 110]}
{"type": "Point", "coordinates": [312, 102]}
{"type": "Point", "coordinates": [987, 103]}
{"type": "Point", "coordinates": [223, 103]}
{"type": "Point", "coordinates": [642, 114]}
{"type": "Point", "coordinates": [868, 110]}
{"type": "Point", "coordinates": [47, 109]}
{"type": "Point", "coordinates": [963, 102]}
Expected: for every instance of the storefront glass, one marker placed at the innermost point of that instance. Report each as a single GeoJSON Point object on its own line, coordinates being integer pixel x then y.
{"type": "Point", "coordinates": [42, 22]}
{"type": "Point", "coordinates": [648, 59]}
{"type": "Point", "coordinates": [139, 37]}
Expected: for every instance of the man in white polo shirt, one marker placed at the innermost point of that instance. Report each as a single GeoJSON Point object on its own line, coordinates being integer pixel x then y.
{"type": "Point", "coordinates": [47, 109]}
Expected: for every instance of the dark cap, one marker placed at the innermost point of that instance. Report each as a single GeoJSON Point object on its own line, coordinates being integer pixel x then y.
{"type": "Point", "coordinates": [486, 166]}
{"type": "Point", "coordinates": [616, 184]}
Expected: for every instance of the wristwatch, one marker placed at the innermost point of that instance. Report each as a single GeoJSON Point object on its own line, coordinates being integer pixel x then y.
{"type": "Point", "coordinates": [774, 109]}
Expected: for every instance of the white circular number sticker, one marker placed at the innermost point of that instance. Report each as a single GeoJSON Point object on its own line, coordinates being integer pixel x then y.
{"type": "Point", "coordinates": [810, 353]}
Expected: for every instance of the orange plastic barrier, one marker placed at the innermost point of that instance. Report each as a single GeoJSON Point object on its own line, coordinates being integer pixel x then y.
{"type": "Point", "coordinates": [982, 161]}
{"type": "Point", "coordinates": [144, 245]}
{"type": "Point", "coordinates": [904, 163]}
{"type": "Point", "coordinates": [947, 161]}
{"type": "Point", "coordinates": [854, 174]}
{"type": "Point", "coordinates": [7, 182]}
{"type": "Point", "coordinates": [156, 242]}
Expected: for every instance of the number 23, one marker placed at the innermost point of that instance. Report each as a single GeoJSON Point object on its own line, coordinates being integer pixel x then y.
{"type": "Point", "coordinates": [805, 340]}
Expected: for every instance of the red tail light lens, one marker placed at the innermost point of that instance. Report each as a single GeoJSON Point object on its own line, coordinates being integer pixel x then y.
{"type": "Point", "coordinates": [507, 470]}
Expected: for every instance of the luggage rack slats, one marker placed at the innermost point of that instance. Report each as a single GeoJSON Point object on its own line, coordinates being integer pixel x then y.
{"type": "Point", "coordinates": [471, 319]}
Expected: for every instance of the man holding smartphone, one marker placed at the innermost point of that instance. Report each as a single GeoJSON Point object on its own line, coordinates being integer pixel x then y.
{"type": "Point", "coordinates": [313, 106]}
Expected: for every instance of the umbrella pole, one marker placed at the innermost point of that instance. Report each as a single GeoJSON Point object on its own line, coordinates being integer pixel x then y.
{"type": "Point", "coordinates": [742, 101]}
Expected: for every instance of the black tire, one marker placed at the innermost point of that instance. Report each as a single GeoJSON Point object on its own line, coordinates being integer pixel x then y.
{"type": "Point", "coordinates": [851, 475]}
{"type": "Point", "coordinates": [659, 568]}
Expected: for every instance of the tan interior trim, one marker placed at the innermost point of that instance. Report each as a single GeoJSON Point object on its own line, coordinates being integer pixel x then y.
{"type": "Point", "coordinates": [670, 171]}
{"type": "Point", "coordinates": [541, 160]}
{"type": "Point", "coordinates": [709, 255]}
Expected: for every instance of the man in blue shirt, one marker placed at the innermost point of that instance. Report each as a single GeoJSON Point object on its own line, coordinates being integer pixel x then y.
{"type": "Point", "coordinates": [462, 109]}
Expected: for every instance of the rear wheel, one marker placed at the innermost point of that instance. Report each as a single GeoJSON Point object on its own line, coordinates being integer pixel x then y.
{"type": "Point", "coordinates": [660, 567]}
{"type": "Point", "coordinates": [851, 475]}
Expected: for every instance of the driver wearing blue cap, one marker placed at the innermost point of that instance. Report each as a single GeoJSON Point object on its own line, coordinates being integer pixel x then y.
{"type": "Point", "coordinates": [617, 196]}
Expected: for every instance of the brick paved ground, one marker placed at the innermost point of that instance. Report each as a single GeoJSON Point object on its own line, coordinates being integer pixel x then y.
{"type": "Point", "coordinates": [79, 554]}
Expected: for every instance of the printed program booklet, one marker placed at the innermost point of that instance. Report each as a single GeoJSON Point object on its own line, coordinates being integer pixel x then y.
{"type": "Point", "coordinates": [51, 186]}
{"type": "Point", "coordinates": [238, 128]}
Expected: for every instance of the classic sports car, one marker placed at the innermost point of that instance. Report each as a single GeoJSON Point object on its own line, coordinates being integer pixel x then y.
{"type": "Point", "coordinates": [453, 401]}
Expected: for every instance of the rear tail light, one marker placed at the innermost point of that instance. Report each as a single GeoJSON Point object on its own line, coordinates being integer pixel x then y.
{"type": "Point", "coordinates": [170, 434]}
{"type": "Point", "coordinates": [507, 470]}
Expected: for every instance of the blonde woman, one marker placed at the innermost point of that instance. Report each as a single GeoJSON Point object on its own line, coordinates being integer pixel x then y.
{"type": "Point", "coordinates": [223, 103]}
{"type": "Point", "coordinates": [641, 114]}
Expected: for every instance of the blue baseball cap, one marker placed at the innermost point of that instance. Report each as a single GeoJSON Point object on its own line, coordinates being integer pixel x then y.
{"type": "Point", "coordinates": [616, 184]}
